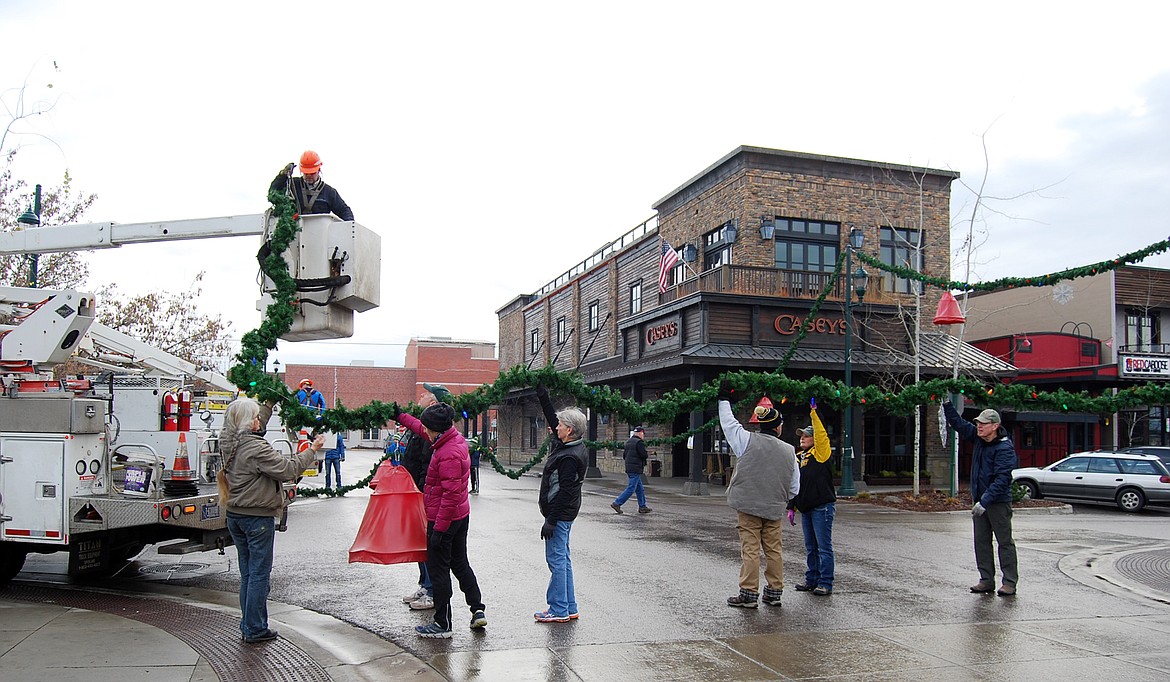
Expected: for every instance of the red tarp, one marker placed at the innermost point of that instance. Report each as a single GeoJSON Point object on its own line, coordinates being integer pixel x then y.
{"type": "Point", "coordinates": [394, 528]}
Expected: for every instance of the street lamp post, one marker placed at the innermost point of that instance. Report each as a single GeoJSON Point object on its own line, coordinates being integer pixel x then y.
{"type": "Point", "coordinates": [854, 282]}
{"type": "Point", "coordinates": [32, 218]}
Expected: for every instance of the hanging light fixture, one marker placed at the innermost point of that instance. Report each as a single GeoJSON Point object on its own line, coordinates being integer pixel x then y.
{"type": "Point", "coordinates": [948, 310]}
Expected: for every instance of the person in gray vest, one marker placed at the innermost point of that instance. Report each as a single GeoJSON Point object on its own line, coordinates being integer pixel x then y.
{"type": "Point", "coordinates": [766, 477]}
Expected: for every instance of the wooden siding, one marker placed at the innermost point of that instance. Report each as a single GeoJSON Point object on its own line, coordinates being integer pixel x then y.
{"type": "Point", "coordinates": [730, 324]}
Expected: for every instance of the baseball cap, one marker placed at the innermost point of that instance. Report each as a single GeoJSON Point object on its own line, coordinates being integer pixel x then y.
{"type": "Point", "coordinates": [639, 428]}
{"type": "Point", "coordinates": [806, 431]}
{"type": "Point", "coordinates": [988, 417]}
{"type": "Point", "coordinates": [439, 391]}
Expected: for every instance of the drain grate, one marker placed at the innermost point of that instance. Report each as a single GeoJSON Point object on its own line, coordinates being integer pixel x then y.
{"type": "Point", "coordinates": [1151, 569]}
{"type": "Point", "coordinates": [213, 635]}
{"type": "Point", "coordinates": [155, 569]}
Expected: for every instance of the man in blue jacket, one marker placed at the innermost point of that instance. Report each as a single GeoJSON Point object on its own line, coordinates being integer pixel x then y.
{"type": "Point", "coordinates": [992, 461]}
{"type": "Point", "coordinates": [333, 459]}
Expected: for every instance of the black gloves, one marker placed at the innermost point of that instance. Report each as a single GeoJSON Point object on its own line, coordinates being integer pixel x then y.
{"type": "Point", "coordinates": [726, 392]}
{"type": "Point", "coordinates": [435, 539]}
{"type": "Point", "coordinates": [541, 391]}
{"type": "Point", "coordinates": [395, 411]}
{"type": "Point", "coordinates": [547, 530]}
{"type": "Point", "coordinates": [288, 169]}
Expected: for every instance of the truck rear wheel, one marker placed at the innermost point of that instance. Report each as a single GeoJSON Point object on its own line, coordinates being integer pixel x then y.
{"type": "Point", "coordinates": [11, 561]}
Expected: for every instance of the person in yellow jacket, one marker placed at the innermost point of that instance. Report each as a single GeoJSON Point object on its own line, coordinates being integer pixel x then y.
{"type": "Point", "coordinates": [817, 502]}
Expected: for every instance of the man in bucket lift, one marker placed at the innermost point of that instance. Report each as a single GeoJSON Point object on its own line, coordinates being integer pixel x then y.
{"type": "Point", "coordinates": [309, 191]}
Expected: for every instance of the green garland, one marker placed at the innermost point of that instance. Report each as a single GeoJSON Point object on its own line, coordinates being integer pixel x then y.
{"type": "Point", "coordinates": [249, 375]}
{"type": "Point", "coordinates": [1016, 282]}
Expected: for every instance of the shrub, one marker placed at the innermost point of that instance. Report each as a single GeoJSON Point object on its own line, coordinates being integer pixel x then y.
{"type": "Point", "coordinates": [1018, 492]}
{"type": "Point", "coordinates": [863, 495]}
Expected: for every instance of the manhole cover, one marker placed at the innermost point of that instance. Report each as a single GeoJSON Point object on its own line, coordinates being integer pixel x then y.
{"type": "Point", "coordinates": [155, 569]}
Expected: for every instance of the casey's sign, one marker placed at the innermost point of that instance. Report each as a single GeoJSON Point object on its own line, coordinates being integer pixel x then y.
{"type": "Point", "coordinates": [788, 325]}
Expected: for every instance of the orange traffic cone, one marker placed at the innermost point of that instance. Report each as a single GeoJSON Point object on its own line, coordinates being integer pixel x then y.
{"type": "Point", "coordinates": [182, 481]}
{"type": "Point", "coordinates": [394, 528]}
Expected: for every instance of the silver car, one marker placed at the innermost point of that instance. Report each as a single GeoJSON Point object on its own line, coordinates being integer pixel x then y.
{"type": "Point", "coordinates": [1130, 481]}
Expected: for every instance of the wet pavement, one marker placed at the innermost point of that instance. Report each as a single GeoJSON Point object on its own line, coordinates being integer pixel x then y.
{"type": "Point", "coordinates": [1092, 602]}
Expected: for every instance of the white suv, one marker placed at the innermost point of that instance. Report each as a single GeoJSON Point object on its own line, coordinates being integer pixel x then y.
{"type": "Point", "coordinates": [1128, 480]}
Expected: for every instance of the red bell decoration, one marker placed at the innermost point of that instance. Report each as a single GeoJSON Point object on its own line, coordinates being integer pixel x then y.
{"type": "Point", "coordinates": [764, 402]}
{"type": "Point", "coordinates": [948, 310]}
{"type": "Point", "coordinates": [394, 528]}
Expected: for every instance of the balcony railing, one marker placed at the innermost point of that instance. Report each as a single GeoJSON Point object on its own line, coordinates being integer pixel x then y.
{"type": "Point", "coordinates": [1147, 348]}
{"type": "Point", "coordinates": [755, 281]}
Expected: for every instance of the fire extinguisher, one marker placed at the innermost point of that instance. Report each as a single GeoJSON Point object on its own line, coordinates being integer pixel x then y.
{"type": "Point", "coordinates": [184, 410]}
{"type": "Point", "coordinates": [170, 411]}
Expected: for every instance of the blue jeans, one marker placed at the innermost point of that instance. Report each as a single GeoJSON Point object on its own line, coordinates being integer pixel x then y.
{"type": "Point", "coordinates": [424, 578]}
{"type": "Point", "coordinates": [634, 486]}
{"type": "Point", "coordinates": [562, 600]}
{"type": "Point", "coordinates": [818, 545]}
{"type": "Point", "coordinates": [253, 537]}
{"type": "Point", "coordinates": [332, 465]}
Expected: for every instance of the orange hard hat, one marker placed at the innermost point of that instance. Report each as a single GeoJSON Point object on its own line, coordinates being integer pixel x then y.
{"type": "Point", "coordinates": [310, 162]}
{"type": "Point", "coordinates": [306, 381]}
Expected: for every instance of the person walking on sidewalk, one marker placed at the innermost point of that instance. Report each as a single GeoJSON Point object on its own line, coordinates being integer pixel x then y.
{"type": "Point", "coordinates": [560, 500]}
{"type": "Point", "coordinates": [251, 491]}
{"type": "Point", "coordinates": [817, 502]}
{"type": "Point", "coordinates": [992, 461]}
{"type": "Point", "coordinates": [448, 516]}
{"type": "Point", "coordinates": [766, 477]}
{"type": "Point", "coordinates": [635, 456]}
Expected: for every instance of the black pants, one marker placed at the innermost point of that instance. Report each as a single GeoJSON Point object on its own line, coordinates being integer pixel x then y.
{"type": "Point", "coordinates": [447, 555]}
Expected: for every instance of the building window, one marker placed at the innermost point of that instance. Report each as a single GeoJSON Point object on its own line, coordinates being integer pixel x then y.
{"type": "Point", "coordinates": [535, 342]}
{"type": "Point", "coordinates": [901, 247]}
{"type": "Point", "coordinates": [560, 331]}
{"type": "Point", "coordinates": [1143, 331]}
{"type": "Point", "coordinates": [370, 434]}
{"type": "Point", "coordinates": [594, 316]}
{"type": "Point", "coordinates": [807, 245]}
{"type": "Point", "coordinates": [534, 429]}
{"type": "Point", "coordinates": [716, 249]}
{"type": "Point", "coordinates": [636, 297]}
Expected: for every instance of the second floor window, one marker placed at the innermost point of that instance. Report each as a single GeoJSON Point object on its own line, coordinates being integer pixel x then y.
{"type": "Point", "coordinates": [901, 247]}
{"type": "Point", "coordinates": [561, 331]}
{"type": "Point", "coordinates": [808, 245]}
{"type": "Point", "coordinates": [594, 316]}
{"type": "Point", "coordinates": [636, 298]}
{"type": "Point", "coordinates": [535, 342]}
{"type": "Point", "coordinates": [1143, 330]}
{"type": "Point", "coordinates": [716, 249]}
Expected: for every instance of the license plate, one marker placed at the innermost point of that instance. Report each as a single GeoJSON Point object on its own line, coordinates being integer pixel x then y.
{"type": "Point", "coordinates": [209, 511]}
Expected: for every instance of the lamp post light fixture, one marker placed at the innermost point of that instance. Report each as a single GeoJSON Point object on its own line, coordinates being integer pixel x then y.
{"type": "Point", "coordinates": [730, 232]}
{"type": "Point", "coordinates": [855, 282]}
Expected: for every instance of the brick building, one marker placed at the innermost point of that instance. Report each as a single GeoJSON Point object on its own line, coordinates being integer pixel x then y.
{"type": "Point", "coordinates": [759, 234]}
{"type": "Point", "coordinates": [461, 366]}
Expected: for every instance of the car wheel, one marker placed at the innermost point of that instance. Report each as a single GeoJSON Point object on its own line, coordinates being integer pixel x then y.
{"type": "Point", "coordinates": [1131, 500]}
{"type": "Point", "coordinates": [11, 561]}
{"type": "Point", "coordinates": [1031, 490]}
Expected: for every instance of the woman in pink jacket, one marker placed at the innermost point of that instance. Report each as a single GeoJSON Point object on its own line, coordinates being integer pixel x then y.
{"type": "Point", "coordinates": [448, 512]}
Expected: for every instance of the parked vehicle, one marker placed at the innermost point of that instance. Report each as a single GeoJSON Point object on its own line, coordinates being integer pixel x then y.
{"type": "Point", "coordinates": [1131, 481]}
{"type": "Point", "coordinates": [1162, 452]}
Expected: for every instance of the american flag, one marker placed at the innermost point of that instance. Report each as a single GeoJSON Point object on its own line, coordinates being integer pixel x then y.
{"type": "Point", "coordinates": [669, 258]}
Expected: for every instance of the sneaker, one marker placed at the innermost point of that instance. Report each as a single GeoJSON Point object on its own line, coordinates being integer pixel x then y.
{"type": "Point", "coordinates": [983, 586]}
{"type": "Point", "coordinates": [574, 616]}
{"type": "Point", "coordinates": [266, 636]}
{"type": "Point", "coordinates": [644, 510]}
{"type": "Point", "coordinates": [616, 507]}
{"type": "Point", "coordinates": [549, 617]}
{"type": "Point", "coordinates": [478, 620]}
{"type": "Point", "coordinates": [433, 631]}
{"type": "Point", "coordinates": [743, 601]}
{"type": "Point", "coordinates": [772, 597]}
{"type": "Point", "coordinates": [823, 591]}
{"type": "Point", "coordinates": [804, 587]}
{"type": "Point", "coordinates": [423, 603]}
{"type": "Point", "coordinates": [420, 592]}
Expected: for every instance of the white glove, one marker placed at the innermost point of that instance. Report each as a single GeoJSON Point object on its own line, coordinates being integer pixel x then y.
{"type": "Point", "coordinates": [977, 510]}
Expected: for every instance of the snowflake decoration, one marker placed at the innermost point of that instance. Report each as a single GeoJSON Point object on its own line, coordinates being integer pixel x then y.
{"type": "Point", "coordinates": [1062, 293]}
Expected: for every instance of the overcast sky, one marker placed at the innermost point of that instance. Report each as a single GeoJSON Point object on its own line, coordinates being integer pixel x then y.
{"type": "Point", "coordinates": [495, 144]}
